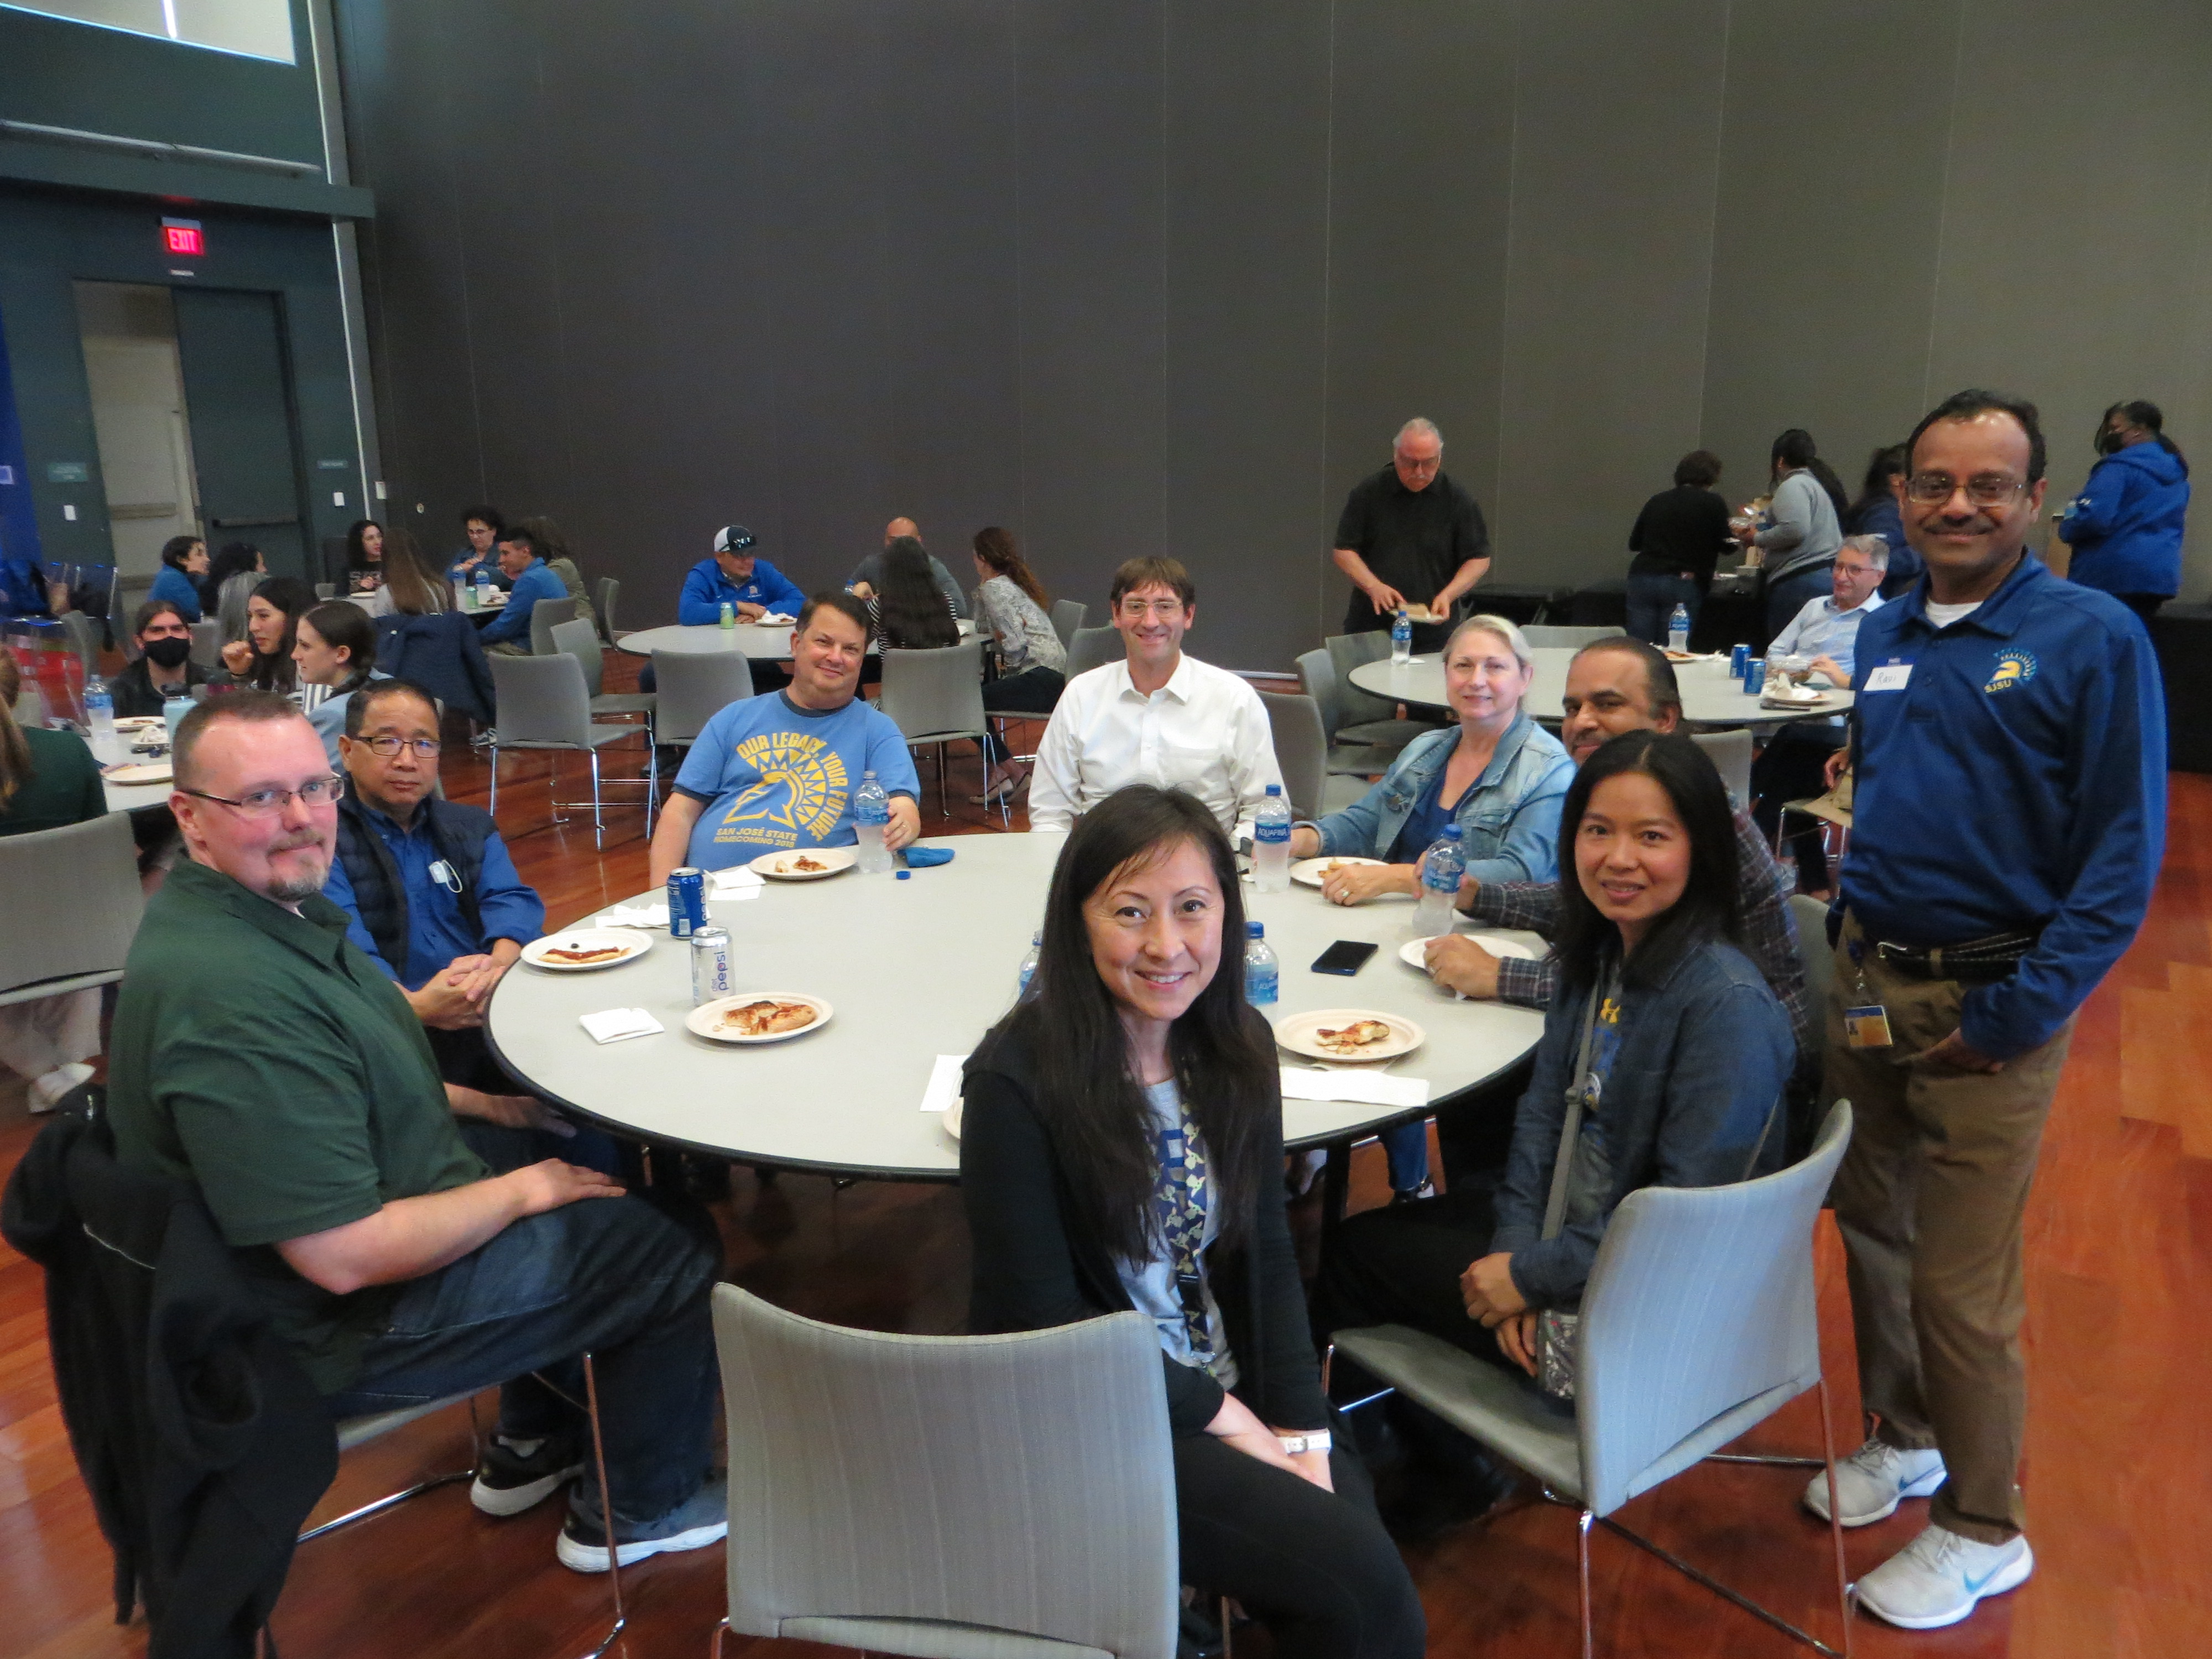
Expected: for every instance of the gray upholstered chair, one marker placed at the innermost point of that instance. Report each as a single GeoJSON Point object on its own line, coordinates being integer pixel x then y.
{"type": "Point", "coordinates": [1541, 634]}
{"type": "Point", "coordinates": [1809, 916]}
{"type": "Point", "coordinates": [609, 591]}
{"type": "Point", "coordinates": [545, 616]}
{"type": "Point", "coordinates": [1369, 719]}
{"type": "Point", "coordinates": [541, 703]}
{"type": "Point", "coordinates": [1093, 648]}
{"type": "Point", "coordinates": [936, 697]}
{"type": "Point", "coordinates": [1730, 754]}
{"type": "Point", "coordinates": [207, 643]}
{"type": "Point", "coordinates": [1068, 616]}
{"type": "Point", "coordinates": [579, 640]}
{"type": "Point", "coordinates": [692, 687]}
{"type": "Point", "coordinates": [1700, 1321]}
{"type": "Point", "coordinates": [72, 903]}
{"type": "Point", "coordinates": [924, 1495]}
{"type": "Point", "coordinates": [1317, 678]}
{"type": "Point", "coordinates": [1301, 753]}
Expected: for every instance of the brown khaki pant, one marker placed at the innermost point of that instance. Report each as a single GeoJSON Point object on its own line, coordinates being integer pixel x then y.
{"type": "Point", "coordinates": [1929, 1201]}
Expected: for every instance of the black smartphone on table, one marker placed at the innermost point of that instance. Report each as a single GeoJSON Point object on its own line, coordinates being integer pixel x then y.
{"type": "Point", "coordinates": [1346, 957]}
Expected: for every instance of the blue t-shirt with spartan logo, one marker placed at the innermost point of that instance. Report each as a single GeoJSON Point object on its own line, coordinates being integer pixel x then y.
{"type": "Point", "coordinates": [773, 776]}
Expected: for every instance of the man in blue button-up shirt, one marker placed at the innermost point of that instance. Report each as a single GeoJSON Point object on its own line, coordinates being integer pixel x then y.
{"type": "Point", "coordinates": [521, 558]}
{"type": "Point", "coordinates": [2007, 825]}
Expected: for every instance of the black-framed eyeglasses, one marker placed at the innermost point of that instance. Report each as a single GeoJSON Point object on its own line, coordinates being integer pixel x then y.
{"type": "Point", "coordinates": [267, 803]}
{"type": "Point", "coordinates": [1983, 489]}
{"type": "Point", "coordinates": [388, 747]}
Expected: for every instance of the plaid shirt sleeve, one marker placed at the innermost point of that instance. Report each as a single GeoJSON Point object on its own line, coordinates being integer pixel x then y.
{"type": "Point", "coordinates": [1769, 936]}
{"type": "Point", "coordinates": [1534, 905]}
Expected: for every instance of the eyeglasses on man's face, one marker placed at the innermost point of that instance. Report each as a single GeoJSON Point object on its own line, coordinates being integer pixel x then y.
{"type": "Point", "coordinates": [1982, 489]}
{"type": "Point", "coordinates": [268, 802]}
{"type": "Point", "coordinates": [385, 746]}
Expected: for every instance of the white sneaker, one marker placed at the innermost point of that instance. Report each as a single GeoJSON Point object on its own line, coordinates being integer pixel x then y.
{"type": "Point", "coordinates": [1936, 1579]}
{"type": "Point", "coordinates": [1871, 1481]}
{"type": "Point", "coordinates": [46, 1092]}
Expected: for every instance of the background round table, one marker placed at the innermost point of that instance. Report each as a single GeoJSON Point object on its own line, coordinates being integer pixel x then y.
{"type": "Point", "coordinates": [133, 797]}
{"type": "Point", "coordinates": [914, 970]}
{"type": "Point", "coordinates": [1710, 694]}
{"type": "Point", "coordinates": [770, 644]}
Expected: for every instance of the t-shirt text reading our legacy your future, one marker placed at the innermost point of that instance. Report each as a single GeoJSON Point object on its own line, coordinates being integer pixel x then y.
{"type": "Point", "coordinates": [773, 776]}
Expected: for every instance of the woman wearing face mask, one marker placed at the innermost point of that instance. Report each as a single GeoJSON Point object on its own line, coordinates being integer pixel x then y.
{"type": "Point", "coordinates": [1123, 1149]}
{"type": "Point", "coordinates": [1665, 1030]}
{"type": "Point", "coordinates": [2125, 526]}
{"type": "Point", "coordinates": [263, 660]}
{"type": "Point", "coordinates": [334, 653]}
{"type": "Point", "coordinates": [164, 668]}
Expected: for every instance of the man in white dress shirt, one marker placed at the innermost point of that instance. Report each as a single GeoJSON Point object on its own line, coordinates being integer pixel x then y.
{"type": "Point", "coordinates": [1159, 717]}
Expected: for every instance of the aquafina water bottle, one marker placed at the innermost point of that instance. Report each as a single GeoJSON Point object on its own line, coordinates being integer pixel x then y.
{"type": "Point", "coordinates": [1442, 865]}
{"type": "Point", "coordinates": [872, 813]}
{"type": "Point", "coordinates": [1678, 628]}
{"type": "Point", "coordinates": [1028, 974]}
{"type": "Point", "coordinates": [1263, 975]}
{"type": "Point", "coordinates": [1270, 843]}
{"type": "Point", "coordinates": [1401, 638]}
{"type": "Point", "coordinates": [99, 715]}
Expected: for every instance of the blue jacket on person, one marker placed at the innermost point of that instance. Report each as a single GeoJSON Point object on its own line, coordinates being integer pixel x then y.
{"type": "Point", "coordinates": [2125, 525]}
{"type": "Point", "coordinates": [1693, 1097]}
{"type": "Point", "coordinates": [23, 588]}
{"type": "Point", "coordinates": [706, 590]}
{"type": "Point", "coordinates": [172, 587]}
{"type": "Point", "coordinates": [1509, 818]}
{"type": "Point", "coordinates": [535, 582]}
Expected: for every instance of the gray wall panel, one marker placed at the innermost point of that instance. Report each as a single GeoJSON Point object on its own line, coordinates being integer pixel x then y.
{"type": "Point", "coordinates": [1616, 139]}
{"type": "Point", "coordinates": [1247, 204]}
{"type": "Point", "coordinates": [1825, 241]}
{"type": "Point", "coordinates": [1422, 153]}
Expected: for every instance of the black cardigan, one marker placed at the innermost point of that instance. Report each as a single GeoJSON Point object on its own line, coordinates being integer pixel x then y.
{"type": "Point", "coordinates": [1032, 1270]}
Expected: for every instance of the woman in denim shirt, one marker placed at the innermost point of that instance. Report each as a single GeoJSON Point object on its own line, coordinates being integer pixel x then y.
{"type": "Point", "coordinates": [1499, 775]}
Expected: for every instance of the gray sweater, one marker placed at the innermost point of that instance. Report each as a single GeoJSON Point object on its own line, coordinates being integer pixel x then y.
{"type": "Point", "coordinates": [1805, 531]}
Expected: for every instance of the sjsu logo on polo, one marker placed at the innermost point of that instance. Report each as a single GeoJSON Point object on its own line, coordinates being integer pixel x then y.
{"type": "Point", "coordinates": [2013, 668]}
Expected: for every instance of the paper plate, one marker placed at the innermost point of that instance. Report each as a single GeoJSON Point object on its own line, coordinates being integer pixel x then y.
{"type": "Point", "coordinates": [950, 1117]}
{"type": "Point", "coordinates": [705, 1020]}
{"type": "Point", "coordinates": [782, 866]}
{"type": "Point", "coordinates": [628, 941]}
{"type": "Point", "coordinates": [1497, 943]}
{"type": "Point", "coordinates": [1309, 873]}
{"type": "Point", "coordinates": [1297, 1033]}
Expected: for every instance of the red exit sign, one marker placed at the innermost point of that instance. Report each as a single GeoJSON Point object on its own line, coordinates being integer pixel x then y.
{"type": "Point", "coordinates": [183, 236]}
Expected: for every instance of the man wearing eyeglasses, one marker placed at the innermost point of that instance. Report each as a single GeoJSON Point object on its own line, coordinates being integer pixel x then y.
{"type": "Point", "coordinates": [433, 895]}
{"type": "Point", "coordinates": [259, 1056]}
{"type": "Point", "coordinates": [2007, 823]}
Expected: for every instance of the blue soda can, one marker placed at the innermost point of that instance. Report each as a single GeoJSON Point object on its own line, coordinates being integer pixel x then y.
{"type": "Point", "coordinates": [1737, 658]}
{"type": "Point", "coordinates": [1755, 676]}
{"type": "Point", "coordinates": [686, 901]}
{"type": "Point", "coordinates": [710, 966]}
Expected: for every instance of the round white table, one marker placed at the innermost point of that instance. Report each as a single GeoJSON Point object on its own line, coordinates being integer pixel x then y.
{"type": "Point", "coordinates": [1710, 694]}
{"type": "Point", "coordinates": [761, 644]}
{"type": "Point", "coordinates": [130, 796]}
{"type": "Point", "coordinates": [914, 970]}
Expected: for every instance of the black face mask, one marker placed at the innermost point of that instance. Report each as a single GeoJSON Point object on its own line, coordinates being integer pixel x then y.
{"type": "Point", "coordinates": [168, 652]}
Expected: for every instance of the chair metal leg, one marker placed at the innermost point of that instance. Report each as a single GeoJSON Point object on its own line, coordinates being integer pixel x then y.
{"type": "Point", "coordinates": [1846, 1593]}
{"type": "Point", "coordinates": [1582, 1554]}
{"type": "Point", "coordinates": [598, 827]}
{"type": "Point", "coordinates": [392, 1500]}
{"type": "Point", "coordinates": [714, 1646]}
{"type": "Point", "coordinates": [606, 1507]}
{"type": "Point", "coordinates": [494, 777]}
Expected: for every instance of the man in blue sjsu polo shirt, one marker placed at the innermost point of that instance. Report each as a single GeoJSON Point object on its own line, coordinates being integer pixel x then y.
{"type": "Point", "coordinates": [2007, 823]}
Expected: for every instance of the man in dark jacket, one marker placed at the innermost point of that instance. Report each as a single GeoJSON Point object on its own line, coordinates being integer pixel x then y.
{"type": "Point", "coordinates": [165, 667]}
{"type": "Point", "coordinates": [433, 898]}
{"type": "Point", "coordinates": [2125, 526]}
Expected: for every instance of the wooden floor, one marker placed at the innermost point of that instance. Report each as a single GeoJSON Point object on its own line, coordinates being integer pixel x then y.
{"type": "Point", "coordinates": [2119, 1453]}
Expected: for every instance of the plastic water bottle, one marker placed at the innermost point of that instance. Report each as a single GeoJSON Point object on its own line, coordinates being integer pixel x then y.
{"type": "Point", "coordinates": [729, 614]}
{"type": "Point", "coordinates": [174, 710]}
{"type": "Point", "coordinates": [1263, 975]}
{"type": "Point", "coordinates": [1442, 865]}
{"type": "Point", "coordinates": [1402, 638]}
{"type": "Point", "coordinates": [872, 811]}
{"type": "Point", "coordinates": [483, 588]}
{"type": "Point", "coordinates": [1270, 843]}
{"type": "Point", "coordinates": [99, 715]}
{"type": "Point", "coordinates": [1028, 966]}
{"type": "Point", "coordinates": [1677, 629]}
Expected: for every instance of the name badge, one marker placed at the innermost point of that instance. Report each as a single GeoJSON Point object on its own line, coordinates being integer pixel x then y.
{"type": "Point", "coordinates": [1890, 676]}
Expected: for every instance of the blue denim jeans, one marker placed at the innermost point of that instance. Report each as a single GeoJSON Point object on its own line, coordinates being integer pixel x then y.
{"type": "Point", "coordinates": [1651, 601]}
{"type": "Point", "coordinates": [626, 1279]}
{"type": "Point", "coordinates": [1406, 1146]}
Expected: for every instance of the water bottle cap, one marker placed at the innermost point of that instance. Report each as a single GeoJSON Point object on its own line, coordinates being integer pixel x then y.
{"type": "Point", "coordinates": [1274, 788]}
{"type": "Point", "coordinates": [865, 776]}
{"type": "Point", "coordinates": [1038, 937]}
{"type": "Point", "coordinates": [1451, 832]}
{"type": "Point", "coordinates": [1254, 930]}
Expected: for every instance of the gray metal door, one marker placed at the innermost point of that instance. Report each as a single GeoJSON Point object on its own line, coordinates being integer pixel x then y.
{"type": "Point", "coordinates": [232, 344]}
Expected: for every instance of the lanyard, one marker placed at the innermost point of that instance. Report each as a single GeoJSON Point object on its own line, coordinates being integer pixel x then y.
{"type": "Point", "coordinates": [1581, 1094]}
{"type": "Point", "coordinates": [1181, 1196]}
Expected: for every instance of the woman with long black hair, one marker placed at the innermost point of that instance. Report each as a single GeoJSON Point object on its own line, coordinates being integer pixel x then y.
{"type": "Point", "coordinates": [910, 611]}
{"type": "Point", "coordinates": [1122, 1148]}
{"type": "Point", "coordinates": [1804, 526]}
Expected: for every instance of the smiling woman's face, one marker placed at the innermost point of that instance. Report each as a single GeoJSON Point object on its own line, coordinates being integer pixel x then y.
{"type": "Point", "coordinates": [1156, 933]}
{"type": "Point", "coordinates": [1631, 853]}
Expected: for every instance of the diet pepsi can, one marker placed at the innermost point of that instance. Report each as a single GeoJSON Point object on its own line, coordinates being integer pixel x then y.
{"type": "Point", "coordinates": [1755, 676]}
{"type": "Point", "coordinates": [1737, 658]}
{"type": "Point", "coordinates": [686, 901]}
{"type": "Point", "coordinates": [710, 966]}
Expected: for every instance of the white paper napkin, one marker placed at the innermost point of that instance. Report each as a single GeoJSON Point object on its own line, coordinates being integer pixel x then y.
{"type": "Point", "coordinates": [1363, 1087]}
{"type": "Point", "coordinates": [736, 885]}
{"type": "Point", "coordinates": [634, 915]}
{"type": "Point", "coordinates": [944, 1083]}
{"type": "Point", "coordinates": [613, 1024]}
{"type": "Point", "coordinates": [771, 618]}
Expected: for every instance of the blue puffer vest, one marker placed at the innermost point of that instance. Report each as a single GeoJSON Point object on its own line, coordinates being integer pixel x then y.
{"type": "Point", "coordinates": [458, 832]}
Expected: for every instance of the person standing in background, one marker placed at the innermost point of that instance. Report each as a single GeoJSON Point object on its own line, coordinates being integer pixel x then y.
{"type": "Point", "coordinates": [183, 561]}
{"type": "Point", "coordinates": [2125, 525]}
{"type": "Point", "coordinates": [1408, 536]}
{"type": "Point", "coordinates": [1804, 527]}
{"type": "Point", "coordinates": [1679, 538]}
{"type": "Point", "coordinates": [1875, 514]}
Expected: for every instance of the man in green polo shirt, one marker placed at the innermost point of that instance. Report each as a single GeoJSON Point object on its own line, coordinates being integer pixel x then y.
{"type": "Point", "coordinates": [259, 1055]}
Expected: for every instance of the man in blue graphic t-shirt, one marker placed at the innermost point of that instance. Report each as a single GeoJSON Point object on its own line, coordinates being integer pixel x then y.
{"type": "Point", "coordinates": [779, 771]}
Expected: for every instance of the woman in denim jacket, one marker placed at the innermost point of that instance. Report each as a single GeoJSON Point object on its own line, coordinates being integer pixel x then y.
{"type": "Point", "coordinates": [1498, 775]}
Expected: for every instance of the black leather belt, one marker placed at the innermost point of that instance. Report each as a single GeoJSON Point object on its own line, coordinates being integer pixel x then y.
{"type": "Point", "coordinates": [1990, 958]}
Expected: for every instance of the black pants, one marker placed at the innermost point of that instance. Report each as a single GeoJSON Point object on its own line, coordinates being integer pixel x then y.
{"type": "Point", "coordinates": [1316, 1567]}
{"type": "Point", "coordinates": [1400, 1265]}
{"type": "Point", "coordinates": [1032, 691]}
{"type": "Point", "coordinates": [1793, 768]}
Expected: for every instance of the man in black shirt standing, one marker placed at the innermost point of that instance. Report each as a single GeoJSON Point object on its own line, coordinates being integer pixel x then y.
{"type": "Point", "coordinates": [1679, 538]}
{"type": "Point", "coordinates": [1410, 536]}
